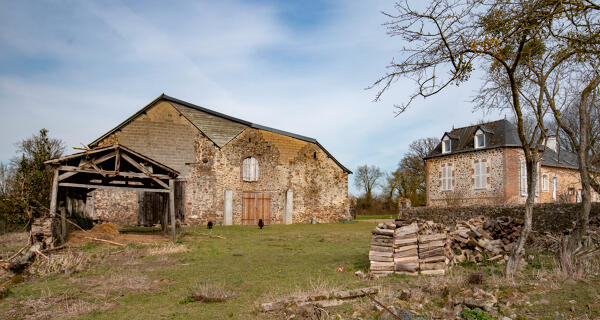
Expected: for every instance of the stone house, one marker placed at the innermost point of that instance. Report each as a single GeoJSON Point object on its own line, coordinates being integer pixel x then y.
{"type": "Point", "coordinates": [231, 171]}
{"type": "Point", "coordinates": [485, 165]}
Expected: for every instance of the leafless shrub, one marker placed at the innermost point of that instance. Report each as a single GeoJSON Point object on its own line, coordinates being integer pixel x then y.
{"type": "Point", "coordinates": [210, 292]}
{"type": "Point", "coordinates": [454, 198]}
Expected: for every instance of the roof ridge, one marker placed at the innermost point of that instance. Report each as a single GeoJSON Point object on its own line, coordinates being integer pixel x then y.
{"type": "Point", "coordinates": [184, 103]}
{"type": "Point", "coordinates": [479, 124]}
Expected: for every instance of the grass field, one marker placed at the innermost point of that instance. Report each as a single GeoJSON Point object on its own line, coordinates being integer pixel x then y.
{"type": "Point", "coordinates": [155, 281]}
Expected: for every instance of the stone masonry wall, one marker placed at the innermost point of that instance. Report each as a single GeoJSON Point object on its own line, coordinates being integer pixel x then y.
{"type": "Point", "coordinates": [319, 185]}
{"type": "Point", "coordinates": [463, 187]}
{"type": "Point", "coordinates": [115, 206]}
{"type": "Point", "coordinates": [553, 217]}
{"type": "Point", "coordinates": [504, 183]}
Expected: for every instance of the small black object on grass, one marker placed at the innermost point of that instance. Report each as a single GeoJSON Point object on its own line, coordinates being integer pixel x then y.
{"type": "Point", "coordinates": [209, 225]}
{"type": "Point", "coordinates": [261, 224]}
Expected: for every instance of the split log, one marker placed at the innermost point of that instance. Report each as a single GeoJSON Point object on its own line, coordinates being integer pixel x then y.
{"type": "Point", "coordinates": [382, 249]}
{"type": "Point", "coordinates": [410, 267]}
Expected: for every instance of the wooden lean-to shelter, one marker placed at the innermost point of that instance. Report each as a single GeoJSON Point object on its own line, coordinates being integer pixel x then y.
{"type": "Point", "coordinates": [113, 167]}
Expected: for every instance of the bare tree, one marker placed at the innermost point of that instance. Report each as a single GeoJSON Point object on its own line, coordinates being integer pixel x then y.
{"type": "Point", "coordinates": [408, 180]}
{"type": "Point", "coordinates": [449, 38]}
{"type": "Point", "coordinates": [366, 178]}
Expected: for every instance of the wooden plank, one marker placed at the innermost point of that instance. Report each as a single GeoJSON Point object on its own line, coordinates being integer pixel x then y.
{"type": "Point", "coordinates": [63, 224]}
{"type": "Point", "coordinates": [405, 241]}
{"type": "Point", "coordinates": [382, 249]}
{"type": "Point", "coordinates": [410, 267]}
{"type": "Point", "coordinates": [432, 237]}
{"type": "Point", "coordinates": [405, 248]}
{"type": "Point", "coordinates": [73, 170]}
{"type": "Point", "coordinates": [100, 186]}
{"type": "Point", "coordinates": [142, 169]}
{"type": "Point", "coordinates": [54, 193]}
{"type": "Point", "coordinates": [380, 258]}
{"type": "Point", "coordinates": [406, 260]}
{"type": "Point", "coordinates": [406, 253]}
{"type": "Point", "coordinates": [381, 254]}
{"type": "Point", "coordinates": [172, 207]}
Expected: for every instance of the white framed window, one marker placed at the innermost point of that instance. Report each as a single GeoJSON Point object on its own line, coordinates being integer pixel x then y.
{"type": "Point", "coordinates": [480, 174]}
{"type": "Point", "coordinates": [250, 169]}
{"type": "Point", "coordinates": [579, 196]}
{"type": "Point", "coordinates": [595, 197]}
{"type": "Point", "coordinates": [446, 145]}
{"type": "Point", "coordinates": [447, 178]}
{"type": "Point", "coordinates": [523, 176]}
{"type": "Point", "coordinates": [545, 182]}
{"type": "Point", "coordinates": [479, 139]}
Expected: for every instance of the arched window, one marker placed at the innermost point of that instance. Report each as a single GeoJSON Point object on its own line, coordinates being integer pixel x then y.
{"type": "Point", "coordinates": [250, 169]}
{"type": "Point", "coordinates": [479, 140]}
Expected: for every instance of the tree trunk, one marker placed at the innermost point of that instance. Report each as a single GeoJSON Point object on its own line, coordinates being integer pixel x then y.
{"type": "Point", "coordinates": [567, 260]}
{"type": "Point", "coordinates": [518, 250]}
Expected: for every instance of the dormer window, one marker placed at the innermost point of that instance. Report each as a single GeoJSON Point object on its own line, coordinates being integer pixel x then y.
{"type": "Point", "coordinates": [479, 141]}
{"type": "Point", "coordinates": [250, 169]}
{"type": "Point", "coordinates": [446, 145]}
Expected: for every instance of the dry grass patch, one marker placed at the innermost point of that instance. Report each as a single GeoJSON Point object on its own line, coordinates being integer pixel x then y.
{"type": "Point", "coordinates": [52, 306]}
{"type": "Point", "coordinates": [168, 248]}
{"type": "Point", "coordinates": [210, 292]}
{"type": "Point", "coordinates": [66, 262]}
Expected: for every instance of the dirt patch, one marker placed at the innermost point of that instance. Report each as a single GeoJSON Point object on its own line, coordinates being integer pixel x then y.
{"type": "Point", "coordinates": [109, 231]}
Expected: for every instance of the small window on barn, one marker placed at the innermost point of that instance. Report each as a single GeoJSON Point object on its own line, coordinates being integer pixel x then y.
{"type": "Point", "coordinates": [479, 139]}
{"type": "Point", "coordinates": [250, 169]}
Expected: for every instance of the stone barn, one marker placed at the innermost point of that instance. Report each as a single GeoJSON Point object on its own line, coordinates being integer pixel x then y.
{"type": "Point", "coordinates": [231, 171]}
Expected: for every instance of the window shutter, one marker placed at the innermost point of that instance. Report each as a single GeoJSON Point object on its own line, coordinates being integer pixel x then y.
{"type": "Point", "coordinates": [523, 178]}
{"type": "Point", "coordinates": [255, 171]}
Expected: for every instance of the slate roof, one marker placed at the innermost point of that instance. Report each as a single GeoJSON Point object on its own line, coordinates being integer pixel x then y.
{"type": "Point", "coordinates": [218, 127]}
{"type": "Point", "coordinates": [499, 134]}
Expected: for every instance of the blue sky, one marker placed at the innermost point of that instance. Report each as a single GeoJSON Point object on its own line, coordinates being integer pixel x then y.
{"type": "Point", "coordinates": [78, 68]}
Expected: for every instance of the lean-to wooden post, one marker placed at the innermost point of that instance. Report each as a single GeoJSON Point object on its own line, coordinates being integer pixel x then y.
{"type": "Point", "coordinates": [54, 194]}
{"type": "Point", "coordinates": [172, 207]}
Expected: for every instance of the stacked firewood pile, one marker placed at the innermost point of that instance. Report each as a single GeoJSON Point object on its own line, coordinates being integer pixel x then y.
{"type": "Point", "coordinates": [409, 247]}
{"type": "Point", "coordinates": [478, 238]}
{"type": "Point", "coordinates": [406, 254]}
{"type": "Point", "coordinates": [381, 254]}
{"type": "Point", "coordinates": [434, 248]}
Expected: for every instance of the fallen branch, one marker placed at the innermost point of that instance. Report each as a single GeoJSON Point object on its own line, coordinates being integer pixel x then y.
{"type": "Point", "coordinates": [323, 298]}
{"type": "Point", "coordinates": [80, 228]}
{"type": "Point", "coordinates": [384, 307]}
{"type": "Point", "coordinates": [41, 254]}
{"type": "Point", "coordinates": [55, 248]}
{"type": "Point", "coordinates": [107, 241]}
{"type": "Point", "coordinates": [16, 254]}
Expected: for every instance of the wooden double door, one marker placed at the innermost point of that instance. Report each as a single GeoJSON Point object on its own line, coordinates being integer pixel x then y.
{"type": "Point", "coordinates": [255, 206]}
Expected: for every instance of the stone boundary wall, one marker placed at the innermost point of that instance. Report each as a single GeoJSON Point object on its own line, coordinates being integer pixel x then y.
{"type": "Point", "coordinates": [553, 218]}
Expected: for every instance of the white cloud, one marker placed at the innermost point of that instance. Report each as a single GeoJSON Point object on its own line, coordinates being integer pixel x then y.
{"type": "Point", "coordinates": [107, 60]}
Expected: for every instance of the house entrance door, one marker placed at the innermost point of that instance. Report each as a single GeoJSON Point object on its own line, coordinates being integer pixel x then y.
{"type": "Point", "coordinates": [255, 206]}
